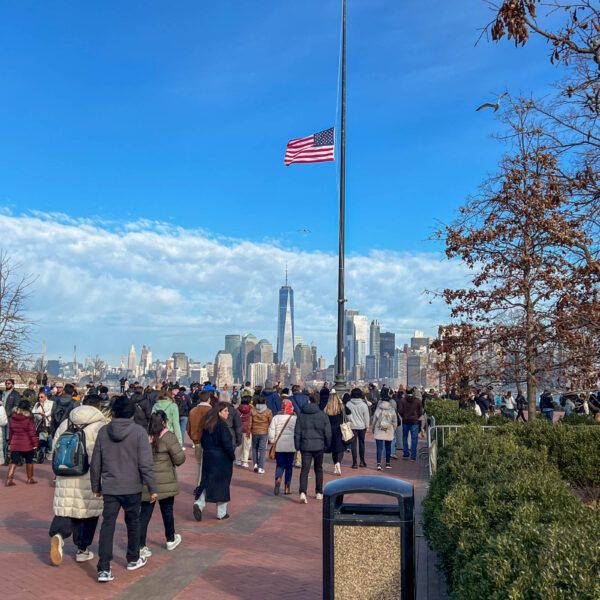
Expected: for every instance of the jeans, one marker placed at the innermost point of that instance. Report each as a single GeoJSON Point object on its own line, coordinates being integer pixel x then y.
{"type": "Point", "coordinates": [166, 510]}
{"type": "Point", "coordinates": [221, 506]}
{"type": "Point", "coordinates": [388, 450]}
{"type": "Point", "coordinates": [182, 424]}
{"type": "Point", "coordinates": [130, 503]}
{"type": "Point", "coordinates": [358, 440]}
{"type": "Point", "coordinates": [259, 449]}
{"type": "Point", "coordinates": [549, 414]}
{"type": "Point", "coordinates": [307, 458]}
{"type": "Point", "coordinates": [337, 457]}
{"type": "Point", "coordinates": [83, 530]}
{"type": "Point", "coordinates": [5, 441]}
{"type": "Point", "coordinates": [521, 415]}
{"type": "Point", "coordinates": [285, 462]}
{"type": "Point", "coordinates": [413, 429]}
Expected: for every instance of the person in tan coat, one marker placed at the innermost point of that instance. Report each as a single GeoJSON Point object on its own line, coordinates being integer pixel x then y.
{"type": "Point", "coordinates": [195, 427]}
{"type": "Point", "coordinates": [76, 508]}
{"type": "Point", "coordinates": [258, 427]}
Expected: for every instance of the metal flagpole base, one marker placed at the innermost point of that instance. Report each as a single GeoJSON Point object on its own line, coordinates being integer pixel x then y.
{"type": "Point", "coordinates": [340, 385]}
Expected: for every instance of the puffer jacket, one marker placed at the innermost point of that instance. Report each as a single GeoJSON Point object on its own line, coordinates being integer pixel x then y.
{"type": "Point", "coordinates": [169, 456]}
{"type": "Point", "coordinates": [73, 496]}
{"type": "Point", "coordinates": [21, 433]}
{"type": "Point", "coordinates": [172, 412]}
{"type": "Point", "coordinates": [3, 422]}
{"type": "Point", "coordinates": [244, 410]}
{"type": "Point", "coordinates": [359, 417]}
{"type": "Point", "coordinates": [259, 420]}
{"type": "Point", "coordinates": [313, 430]}
{"type": "Point", "coordinates": [286, 441]}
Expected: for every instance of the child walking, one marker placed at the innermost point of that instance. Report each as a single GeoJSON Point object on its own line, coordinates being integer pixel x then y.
{"type": "Point", "coordinates": [23, 442]}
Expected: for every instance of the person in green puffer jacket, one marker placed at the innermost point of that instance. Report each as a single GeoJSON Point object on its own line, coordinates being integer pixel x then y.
{"type": "Point", "coordinates": [167, 454]}
{"type": "Point", "coordinates": [166, 403]}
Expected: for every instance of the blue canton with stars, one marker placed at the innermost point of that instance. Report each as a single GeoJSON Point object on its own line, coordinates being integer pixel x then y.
{"type": "Point", "coordinates": [324, 138]}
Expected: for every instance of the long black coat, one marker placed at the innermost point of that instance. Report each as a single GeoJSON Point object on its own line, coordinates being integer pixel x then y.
{"type": "Point", "coordinates": [338, 445]}
{"type": "Point", "coordinates": [217, 463]}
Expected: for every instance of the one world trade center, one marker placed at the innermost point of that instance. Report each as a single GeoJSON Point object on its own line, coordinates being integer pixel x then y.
{"type": "Point", "coordinates": [285, 324]}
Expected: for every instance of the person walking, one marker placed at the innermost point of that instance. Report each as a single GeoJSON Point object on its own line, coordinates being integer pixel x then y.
{"type": "Point", "coordinates": [336, 412]}
{"type": "Point", "coordinates": [217, 466]}
{"type": "Point", "coordinates": [3, 425]}
{"type": "Point", "coordinates": [281, 434]}
{"type": "Point", "coordinates": [166, 403]}
{"type": "Point", "coordinates": [521, 406]}
{"type": "Point", "coordinates": [121, 462]}
{"type": "Point", "coordinates": [510, 406]}
{"type": "Point", "coordinates": [410, 410]}
{"type": "Point", "coordinates": [385, 423]}
{"type": "Point", "coordinates": [184, 405]}
{"type": "Point", "coordinates": [360, 419]}
{"type": "Point", "coordinates": [195, 427]}
{"type": "Point", "coordinates": [258, 428]}
{"type": "Point", "coordinates": [242, 452]}
{"type": "Point", "coordinates": [76, 508]}
{"type": "Point", "coordinates": [23, 441]}
{"type": "Point", "coordinates": [547, 405]}
{"type": "Point", "coordinates": [312, 436]}
{"type": "Point", "coordinates": [63, 405]}
{"type": "Point", "coordinates": [167, 454]}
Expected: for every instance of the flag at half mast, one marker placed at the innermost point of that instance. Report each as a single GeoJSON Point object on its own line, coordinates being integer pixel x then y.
{"type": "Point", "coordinates": [318, 147]}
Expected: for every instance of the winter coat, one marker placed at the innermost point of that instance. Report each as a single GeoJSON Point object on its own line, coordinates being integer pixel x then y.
{"type": "Point", "coordinates": [259, 420]}
{"type": "Point", "coordinates": [169, 456]}
{"type": "Point", "coordinates": [286, 441]}
{"type": "Point", "coordinates": [313, 431]}
{"type": "Point", "coordinates": [122, 459]}
{"type": "Point", "coordinates": [273, 401]}
{"type": "Point", "coordinates": [385, 421]}
{"type": "Point", "coordinates": [30, 396]}
{"type": "Point", "coordinates": [410, 409]}
{"type": "Point", "coordinates": [323, 397]}
{"type": "Point", "coordinates": [3, 422]}
{"type": "Point", "coordinates": [61, 408]}
{"type": "Point", "coordinates": [298, 400]}
{"type": "Point", "coordinates": [244, 410]}
{"type": "Point", "coordinates": [217, 463]}
{"type": "Point", "coordinates": [234, 422]}
{"type": "Point", "coordinates": [338, 445]}
{"type": "Point", "coordinates": [195, 424]}
{"type": "Point", "coordinates": [172, 412]}
{"type": "Point", "coordinates": [45, 410]}
{"type": "Point", "coordinates": [73, 496]}
{"type": "Point", "coordinates": [143, 410]}
{"type": "Point", "coordinates": [184, 404]}
{"type": "Point", "coordinates": [21, 433]}
{"type": "Point", "coordinates": [11, 401]}
{"type": "Point", "coordinates": [546, 402]}
{"type": "Point", "coordinates": [360, 417]}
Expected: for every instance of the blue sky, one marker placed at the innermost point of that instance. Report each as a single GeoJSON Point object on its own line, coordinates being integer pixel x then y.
{"type": "Point", "coordinates": [132, 115]}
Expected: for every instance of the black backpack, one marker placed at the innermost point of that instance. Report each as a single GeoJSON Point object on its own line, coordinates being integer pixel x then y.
{"type": "Point", "coordinates": [140, 417]}
{"type": "Point", "coordinates": [70, 457]}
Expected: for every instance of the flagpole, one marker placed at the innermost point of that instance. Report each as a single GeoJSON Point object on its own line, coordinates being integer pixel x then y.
{"type": "Point", "coordinates": [340, 379]}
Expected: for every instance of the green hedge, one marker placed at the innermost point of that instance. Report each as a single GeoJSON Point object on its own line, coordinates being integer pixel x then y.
{"type": "Point", "coordinates": [446, 412]}
{"type": "Point", "coordinates": [505, 524]}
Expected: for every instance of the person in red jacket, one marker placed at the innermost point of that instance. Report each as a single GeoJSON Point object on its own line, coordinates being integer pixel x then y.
{"type": "Point", "coordinates": [23, 442]}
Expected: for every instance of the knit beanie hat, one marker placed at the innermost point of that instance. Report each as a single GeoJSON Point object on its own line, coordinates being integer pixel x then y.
{"type": "Point", "coordinates": [123, 408]}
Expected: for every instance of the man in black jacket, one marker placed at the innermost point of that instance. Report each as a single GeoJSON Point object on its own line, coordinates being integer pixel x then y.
{"type": "Point", "coordinates": [312, 436]}
{"type": "Point", "coordinates": [324, 396]}
{"type": "Point", "coordinates": [121, 462]}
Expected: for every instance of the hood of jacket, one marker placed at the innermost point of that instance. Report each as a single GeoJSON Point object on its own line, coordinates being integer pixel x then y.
{"type": "Point", "coordinates": [385, 405]}
{"type": "Point", "coordinates": [310, 408]}
{"type": "Point", "coordinates": [245, 409]}
{"type": "Point", "coordinates": [119, 429]}
{"type": "Point", "coordinates": [86, 415]}
{"type": "Point", "coordinates": [163, 404]}
{"type": "Point", "coordinates": [356, 401]}
{"type": "Point", "coordinates": [260, 408]}
{"type": "Point", "coordinates": [63, 400]}
{"type": "Point", "coordinates": [19, 417]}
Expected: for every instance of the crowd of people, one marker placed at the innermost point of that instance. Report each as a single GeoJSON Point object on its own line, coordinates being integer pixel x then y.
{"type": "Point", "coordinates": [131, 444]}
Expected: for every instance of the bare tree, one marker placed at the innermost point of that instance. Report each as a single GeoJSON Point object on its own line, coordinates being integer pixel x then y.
{"type": "Point", "coordinates": [14, 325]}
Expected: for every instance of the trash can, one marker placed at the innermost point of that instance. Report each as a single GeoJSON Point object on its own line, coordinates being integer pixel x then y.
{"type": "Point", "coordinates": [368, 549]}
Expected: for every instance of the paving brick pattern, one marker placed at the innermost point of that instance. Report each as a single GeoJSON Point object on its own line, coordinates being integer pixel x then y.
{"type": "Point", "coordinates": [269, 548]}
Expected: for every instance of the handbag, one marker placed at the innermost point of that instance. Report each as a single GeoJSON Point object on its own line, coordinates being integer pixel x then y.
{"type": "Point", "coordinates": [345, 428]}
{"type": "Point", "coordinates": [272, 449]}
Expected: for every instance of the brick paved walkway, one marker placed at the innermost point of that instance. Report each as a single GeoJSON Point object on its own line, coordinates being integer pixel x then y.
{"type": "Point", "coordinates": [269, 548]}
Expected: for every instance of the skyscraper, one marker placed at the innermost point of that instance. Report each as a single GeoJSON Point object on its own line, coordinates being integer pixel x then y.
{"type": "Point", "coordinates": [387, 348]}
{"type": "Point", "coordinates": [233, 345]}
{"type": "Point", "coordinates": [131, 361]}
{"type": "Point", "coordinates": [285, 324]}
{"type": "Point", "coordinates": [374, 343]}
{"type": "Point", "coordinates": [349, 361]}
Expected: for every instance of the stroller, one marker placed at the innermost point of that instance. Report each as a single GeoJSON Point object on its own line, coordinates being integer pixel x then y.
{"type": "Point", "coordinates": [43, 438]}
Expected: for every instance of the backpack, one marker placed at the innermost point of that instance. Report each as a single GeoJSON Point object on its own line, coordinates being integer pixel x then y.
{"type": "Point", "coordinates": [70, 457]}
{"type": "Point", "coordinates": [386, 421]}
{"type": "Point", "coordinates": [181, 405]}
{"type": "Point", "coordinates": [140, 417]}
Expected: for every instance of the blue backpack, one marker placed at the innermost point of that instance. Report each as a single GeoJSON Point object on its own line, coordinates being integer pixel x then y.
{"type": "Point", "coordinates": [70, 457]}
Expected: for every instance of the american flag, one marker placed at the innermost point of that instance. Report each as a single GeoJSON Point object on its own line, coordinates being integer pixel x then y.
{"type": "Point", "coordinates": [318, 147]}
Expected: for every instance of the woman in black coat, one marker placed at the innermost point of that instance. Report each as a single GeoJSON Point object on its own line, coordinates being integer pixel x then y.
{"type": "Point", "coordinates": [217, 462]}
{"type": "Point", "coordinates": [335, 410]}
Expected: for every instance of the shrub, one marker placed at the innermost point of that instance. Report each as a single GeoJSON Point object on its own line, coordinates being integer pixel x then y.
{"type": "Point", "coordinates": [446, 412]}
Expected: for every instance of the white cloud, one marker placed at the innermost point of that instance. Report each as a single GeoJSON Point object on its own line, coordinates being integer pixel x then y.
{"type": "Point", "coordinates": [104, 286]}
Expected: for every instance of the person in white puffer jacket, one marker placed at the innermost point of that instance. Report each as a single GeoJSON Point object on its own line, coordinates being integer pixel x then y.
{"type": "Point", "coordinates": [281, 430]}
{"type": "Point", "coordinates": [76, 508]}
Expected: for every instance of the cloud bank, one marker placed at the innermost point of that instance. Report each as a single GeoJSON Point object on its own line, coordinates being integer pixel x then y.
{"type": "Point", "coordinates": [103, 286]}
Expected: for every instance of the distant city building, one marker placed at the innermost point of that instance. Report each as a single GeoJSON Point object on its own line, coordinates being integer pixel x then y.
{"type": "Point", "coordinates": [258, 373]}
{"type": "Point", "coordinates": [387, 349]}
{"type": "Point", "coordinates": [372, 368]}
{"type": "Point", "coordinates": [145, 360]}
{"type": "Point", "coordinates": [53, 367]}
{"type": "Point", "coordinates": [249, 342]}
{"type": "Point", "coordinates": [180, 362]}
{"type": "Point", "coordinates": [322, 363]}
{"type": "Point", "coordinates": [303, 359]}
{"type": "Point", "coordinates": [349, 315]}
{"type": "Point", "coordinates": [400, 367]}
{"type": "Point", "coordinates": [419, 343]}
{"type": "Point", "coordinates": [131, 361]}
{"type": "Point", "coordinates": [223, 368]}
{"type": "Point", "coordinates": [416, 370]}
{"type": "Point", "coordinates": [374, 339]}
{"type": "Point", "coordinates": [285, 324]}
{"type": "Point", "coordinates": [264, 352]}
{"type": "Point", "coordinates": [233, 345]}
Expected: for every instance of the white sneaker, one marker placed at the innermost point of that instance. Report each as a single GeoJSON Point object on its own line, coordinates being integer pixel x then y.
{"type": "Point", "coordinates": [145, 552]}
{"type": "Point", "coordinates": [172, 545]}
{"type": "Point", "coordinates": [337, 469]}
{"type": "Point", "coordinates": [245, 465]}
{"type": "Point", "coordinates": [84, 555]}
{"type": "Point", "coordinates": [261, 471]}
{"type": "Point", "coordinates": [105, 576]}
{"type": "Point", "coordinates": [138, 564]}
{"type": "Point", "coordinates": [56, 549]}
{"type": "Point", "coordinates": [256, 468]}
{"type": "Point", "coordinates": [238, 463]}
{"type": "Point", "coordinates": [319, 496]}
{"type": "Point", "coordinates": [303, 498]}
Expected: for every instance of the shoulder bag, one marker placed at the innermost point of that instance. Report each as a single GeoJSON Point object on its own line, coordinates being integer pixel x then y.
{"type": "Point", "coordinates": [272, 449]}
{"type": "Point", "coordinates": [345, 428]}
